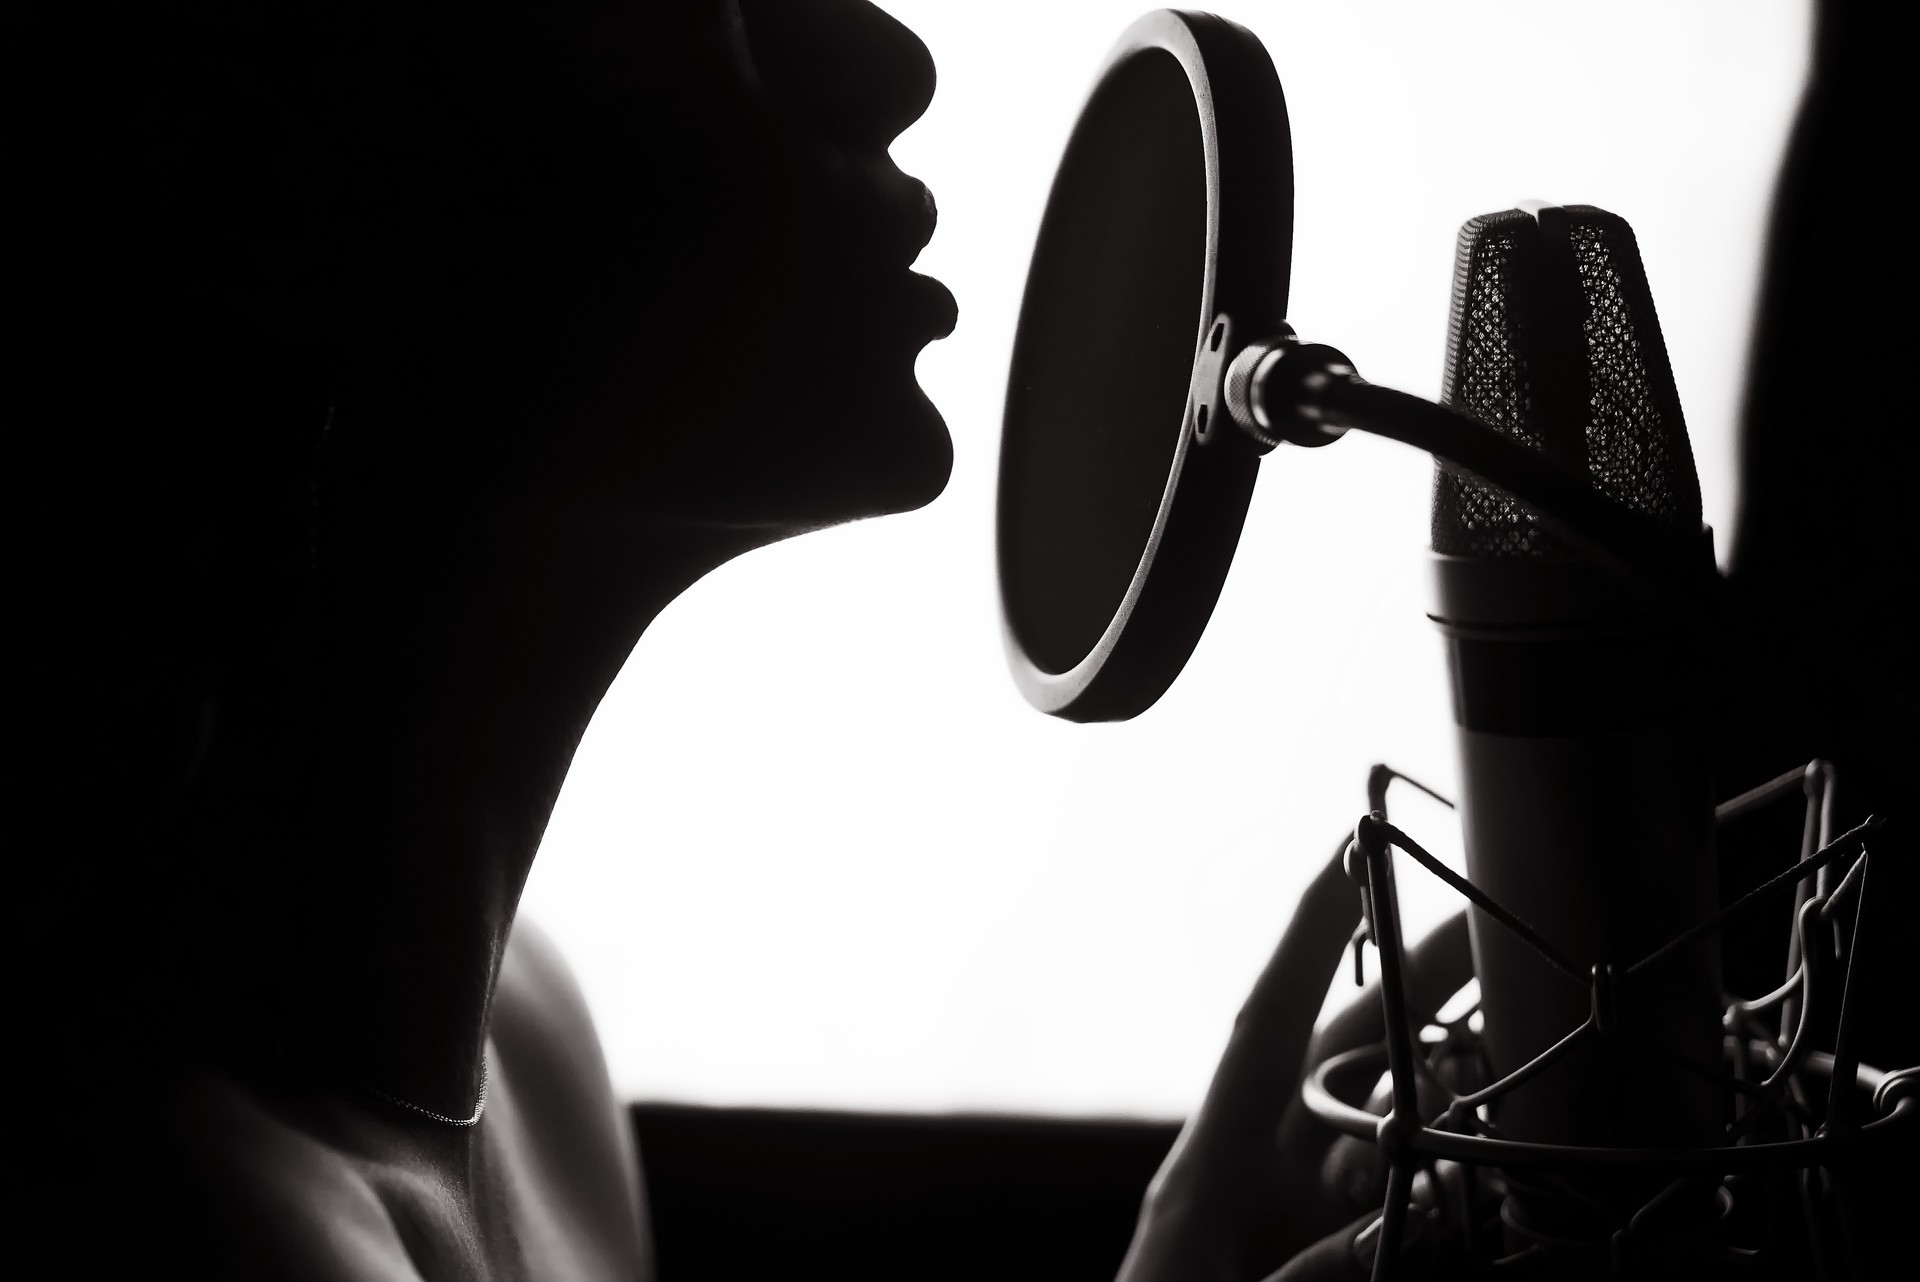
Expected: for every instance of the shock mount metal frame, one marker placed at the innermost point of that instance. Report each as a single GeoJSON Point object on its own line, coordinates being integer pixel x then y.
{"type": "Point", "coordinates": [1767, 1076]}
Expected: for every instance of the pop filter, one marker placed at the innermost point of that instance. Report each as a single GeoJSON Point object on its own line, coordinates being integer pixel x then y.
{"type": "Point", "coordinates": [1168, 232]}
{"type": "Point", "coordinates": [1153, 366]}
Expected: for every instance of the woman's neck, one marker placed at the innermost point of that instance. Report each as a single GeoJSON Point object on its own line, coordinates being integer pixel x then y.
{"type": "Point", "coordinates": [455, 663]}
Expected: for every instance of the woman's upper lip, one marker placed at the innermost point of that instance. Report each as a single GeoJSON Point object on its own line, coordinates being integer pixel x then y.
{"type": "Point", "coordinates": [928, 219]}
{"type": "Point", "coordinates": [897, 210]}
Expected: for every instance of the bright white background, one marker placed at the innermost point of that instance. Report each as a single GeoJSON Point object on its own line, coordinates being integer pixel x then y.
{"type": "Point", "coordinates": [815, 849]}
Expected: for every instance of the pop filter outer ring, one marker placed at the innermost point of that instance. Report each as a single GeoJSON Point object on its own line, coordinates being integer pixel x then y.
{"type": "Point", "coordinates": [1206, 480]}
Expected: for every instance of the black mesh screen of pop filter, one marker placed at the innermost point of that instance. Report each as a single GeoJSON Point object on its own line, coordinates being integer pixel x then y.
{"type": "Point", "coordinates": [1554, 342]}
{"type": "Point", "coordinates": [1173, 201]}
{"type": "Point", "coordinates": [1106, 352]}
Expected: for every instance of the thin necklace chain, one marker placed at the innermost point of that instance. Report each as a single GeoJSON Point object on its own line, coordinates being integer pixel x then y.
{"type": "Point", "coordinates": [479, 1104]}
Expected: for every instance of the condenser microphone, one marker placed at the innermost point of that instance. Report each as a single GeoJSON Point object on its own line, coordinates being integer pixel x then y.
{"type": "Point", "coordinates": [1587, 802]}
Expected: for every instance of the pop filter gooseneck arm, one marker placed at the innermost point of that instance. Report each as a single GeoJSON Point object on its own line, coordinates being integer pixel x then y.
{"type": "Point", "coordinates": [1282, 391]}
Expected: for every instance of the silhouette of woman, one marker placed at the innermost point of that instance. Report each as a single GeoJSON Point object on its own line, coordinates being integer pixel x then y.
{"type": "Point", "coordinates": [390, 367]}
{"type": "Point", "coordinates": [395, 364]}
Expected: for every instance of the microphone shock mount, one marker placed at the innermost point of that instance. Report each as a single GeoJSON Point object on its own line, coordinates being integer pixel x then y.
{"type": "Point", "coordinates": [1793, 1111]}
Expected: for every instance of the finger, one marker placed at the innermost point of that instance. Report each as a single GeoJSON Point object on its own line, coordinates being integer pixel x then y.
{"type": "Point", "coordinates": [1437, 968]}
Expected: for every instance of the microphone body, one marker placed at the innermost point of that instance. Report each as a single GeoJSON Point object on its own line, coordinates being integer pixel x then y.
{"type": "Point", "coordinates": [1586, 786]}
{"type": "Point", "coordinates": [1587, 811]}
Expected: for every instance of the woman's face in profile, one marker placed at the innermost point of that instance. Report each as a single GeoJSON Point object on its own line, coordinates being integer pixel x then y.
{"type": "Point", "coordinates": [667, 265]}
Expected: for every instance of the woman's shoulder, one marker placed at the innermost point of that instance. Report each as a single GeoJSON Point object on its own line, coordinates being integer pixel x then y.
{"type": "Point", "coordinates": [557, 1111]}
{"type": "Point", "coordinates": [537, 1001]}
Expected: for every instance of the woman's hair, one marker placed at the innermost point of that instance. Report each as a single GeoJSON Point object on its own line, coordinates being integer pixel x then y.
{"type": "Point", "coordinates": [226, 209]}
{"type": "Point", "coordinates": [233, 208]}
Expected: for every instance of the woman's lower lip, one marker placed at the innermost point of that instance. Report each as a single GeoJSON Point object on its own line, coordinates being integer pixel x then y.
{"type": "Point", "coordinates": [933, 302]}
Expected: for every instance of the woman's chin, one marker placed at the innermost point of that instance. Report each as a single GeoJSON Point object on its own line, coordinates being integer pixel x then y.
{"type": "Point", "coordinates": [917, 458]}
{"type": "Point", "coordinates": [844, 462]}
{"type": "Point", "coordinates": [901, 466]}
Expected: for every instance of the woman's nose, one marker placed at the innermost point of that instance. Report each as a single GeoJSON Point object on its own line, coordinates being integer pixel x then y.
{"type": "Point", "coordinates": [860, 75]}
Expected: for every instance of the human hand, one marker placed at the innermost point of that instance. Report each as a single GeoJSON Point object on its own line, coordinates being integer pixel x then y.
{"type": "Point", "coordinates": [1255, 1181]}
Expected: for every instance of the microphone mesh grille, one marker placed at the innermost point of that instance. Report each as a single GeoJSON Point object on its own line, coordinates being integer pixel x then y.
{"type": "Point", "coordinates": [1489, 377]}
{"type": "Point", "coordinates": [1558, 347]}
{"type": "Point", "coordinates": [1637, 449]}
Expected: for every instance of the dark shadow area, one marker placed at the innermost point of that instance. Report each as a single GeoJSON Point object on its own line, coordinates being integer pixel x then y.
{"type": "Point", "coordinates": [743, 1193]}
